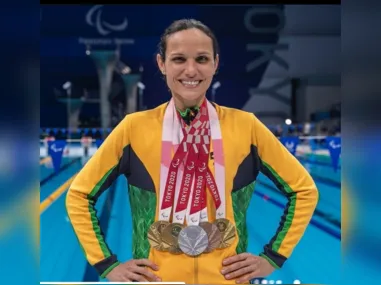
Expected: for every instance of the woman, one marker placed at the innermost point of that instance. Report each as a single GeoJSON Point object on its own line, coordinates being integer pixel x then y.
{"type": "Point", "coordinates": [191, 167]}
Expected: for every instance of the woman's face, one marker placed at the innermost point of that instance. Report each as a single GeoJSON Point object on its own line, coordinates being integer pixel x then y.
{"type": "Point", "coordinates": [189, 65]}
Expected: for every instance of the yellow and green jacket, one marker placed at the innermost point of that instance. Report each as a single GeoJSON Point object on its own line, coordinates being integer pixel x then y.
{"type": "Point", "coordinates": [133, 149]}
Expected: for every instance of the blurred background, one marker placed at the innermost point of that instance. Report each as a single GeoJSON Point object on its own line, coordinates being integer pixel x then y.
{"type": "Point", "coordinates": [280, 62]}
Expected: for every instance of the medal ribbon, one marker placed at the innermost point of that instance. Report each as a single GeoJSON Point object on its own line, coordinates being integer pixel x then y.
{"type": "Point", "coordinates": [194, 152]}
{"type": "Point", "coordinates": [187, 184]}
{"type": "Point", "coordinates": [216, 183]}
{"type": "Point", "coordinates": [208, 177]}
{"type": "Point", "coordinates": [197, 209]}
{"type": "Point", "coordinates": [187, 151]}
{"type": "Point", "coordinates": [184, 188]}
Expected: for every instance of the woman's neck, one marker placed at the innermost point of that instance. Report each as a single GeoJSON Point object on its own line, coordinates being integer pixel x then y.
{"type": "Point", "coordinates": [183, 105]}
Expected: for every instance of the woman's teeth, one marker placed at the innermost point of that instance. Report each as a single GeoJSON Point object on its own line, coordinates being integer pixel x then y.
{"type": "Point", "coordinates": [190, 83]}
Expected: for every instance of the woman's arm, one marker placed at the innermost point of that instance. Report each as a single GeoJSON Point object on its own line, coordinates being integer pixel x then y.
{"type": "Point", "coordinates": [294, 181]}
{"type": "Point", "coordinates": [95, 177]}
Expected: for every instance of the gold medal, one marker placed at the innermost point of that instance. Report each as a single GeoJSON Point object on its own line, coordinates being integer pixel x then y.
{"type": "Point", "coordinates": [214, 236]}
{"type": "Point", "coordinates": [155, 235]}
{"type": "Point", "coordinates": [227, 231]}
{"type": "Point", "coordinates": [170, 237]}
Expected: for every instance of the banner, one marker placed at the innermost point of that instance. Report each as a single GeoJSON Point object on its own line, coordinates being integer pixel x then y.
{"type": "Point", "coordinates": [313, 145]}
{"type": "Point", "coordinates": [312, 157]}
{"type": "Point", "coordinates": [55, 150]}
{"type": "Point", "coordinates": [334, 147]}
{"type": "Point", "coordinates": [98, 142]}
{"type": "Point", "coordinates": [291, 143]}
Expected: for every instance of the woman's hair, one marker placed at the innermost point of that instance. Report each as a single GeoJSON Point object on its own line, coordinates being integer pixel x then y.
{"type": "Point", "coordinates": [185, 24]}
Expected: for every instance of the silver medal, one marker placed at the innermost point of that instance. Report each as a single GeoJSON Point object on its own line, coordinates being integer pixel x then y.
{"type": "Point", "coordinates": [193, 240]}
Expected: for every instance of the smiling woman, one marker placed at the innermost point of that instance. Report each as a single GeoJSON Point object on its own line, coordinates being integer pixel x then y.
{"type": "Point", "coordinates": [188, 58]}
{"type": "Point", "coordinates": [191, 167]}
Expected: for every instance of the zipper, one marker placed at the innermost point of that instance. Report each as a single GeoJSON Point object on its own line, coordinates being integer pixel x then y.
{"type": "Point", "coordinates": [196, 270]}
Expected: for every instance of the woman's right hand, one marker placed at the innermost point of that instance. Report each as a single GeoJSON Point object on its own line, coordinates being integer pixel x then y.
{"type": "Point", "coordinates": [134, 270]}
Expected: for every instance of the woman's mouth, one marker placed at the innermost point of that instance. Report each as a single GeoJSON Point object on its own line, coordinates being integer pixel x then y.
{"type": "Point", "coordinates": [190, 83]}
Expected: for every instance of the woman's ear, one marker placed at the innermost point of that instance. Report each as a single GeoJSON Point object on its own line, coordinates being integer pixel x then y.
{"type": "Point", "coordinates": [216, 62]}
{"type": "Point", "coordinates": [160, 63]}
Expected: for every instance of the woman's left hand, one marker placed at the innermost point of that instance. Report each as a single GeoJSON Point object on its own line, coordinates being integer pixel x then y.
{"type": "Point", "coordinates": [245, 266]}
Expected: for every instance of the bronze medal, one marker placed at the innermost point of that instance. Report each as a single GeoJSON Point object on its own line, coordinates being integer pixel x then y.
{"type": "Point", "coordinates": [227, 231]}
{"type": "Point", "coordinates": [214, 236]}
{"type": "Point", "coordinates": [170, 237]}
{"type": "Point", "coordinates": [155, 235]}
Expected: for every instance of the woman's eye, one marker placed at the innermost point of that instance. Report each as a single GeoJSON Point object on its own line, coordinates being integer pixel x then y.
{"type": "Point", "coordinates": [202, 59]}
{"type": "Point", "coordinates": [178, 59]}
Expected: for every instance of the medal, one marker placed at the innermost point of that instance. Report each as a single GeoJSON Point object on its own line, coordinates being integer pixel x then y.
{"type": "Point", "coordinates": [170, 237]}
{"type": "Point", "coordinates": [155, 235]}
{"type": "Point", "coordinates": [193, 240]}
{"type": "Point", "coordinates": [227, 231]}
{"type": "Point", "coordinates": [214, 236]}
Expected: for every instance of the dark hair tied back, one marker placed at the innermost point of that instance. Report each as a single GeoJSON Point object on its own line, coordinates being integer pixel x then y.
{"type": "Point", "coordinates": [185, 24]}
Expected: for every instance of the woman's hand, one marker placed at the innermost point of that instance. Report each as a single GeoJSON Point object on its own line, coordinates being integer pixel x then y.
{"type": "Point", "coordinates": [134, 270]}
{"type": "Point", "coordinates": [245, 266]}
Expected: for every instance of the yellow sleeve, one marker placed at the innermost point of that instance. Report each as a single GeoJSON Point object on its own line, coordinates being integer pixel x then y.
{"type": "Point", "coordinates": [294, 181]}
{"type": "Point", "coordinates": [98, 174]}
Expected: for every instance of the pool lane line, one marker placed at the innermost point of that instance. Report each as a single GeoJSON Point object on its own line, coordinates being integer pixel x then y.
{"type": "Point", "coordinates": [56, 194]}
{"type": "Point", "coordinates": [45, 160]}
{"type": "Point", "coordinates": [54, 174]}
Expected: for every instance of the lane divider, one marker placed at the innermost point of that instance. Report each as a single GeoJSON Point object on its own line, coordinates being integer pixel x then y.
{"type": "Point", "coordinates": [314, 222]}
{"type": "Point", "coordinates": [56, 194]}
{"type": "Point", "coordinates": [327, 217]}
{"type": "Point", "coordinates": [45, 160]}
{"type": "Point", "coordinates": [54, 174]}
